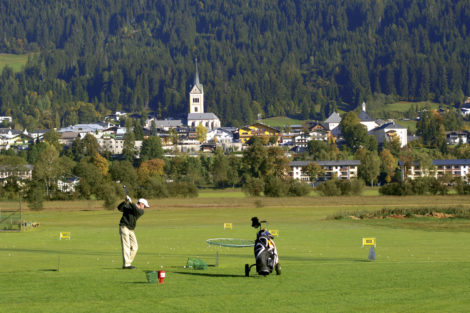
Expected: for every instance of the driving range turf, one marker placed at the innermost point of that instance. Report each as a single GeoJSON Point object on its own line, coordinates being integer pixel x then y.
{"type": "Point", "coordinates": [422, 265]}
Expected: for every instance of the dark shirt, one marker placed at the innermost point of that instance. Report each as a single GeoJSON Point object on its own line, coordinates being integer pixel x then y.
{"type": "Point", "coordinates": [130, 214]}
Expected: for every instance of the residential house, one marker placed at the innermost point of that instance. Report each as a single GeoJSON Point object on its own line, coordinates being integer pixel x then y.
{"type": "Point", "coordinates": [287, 138]}
{"type": "Point", "coordinates": [454, 168]}
{"type": "Point", "coordinates": [38, 134]}
{"type": "Point", "coordinates": [96, 129]}
{"type": "Point", "coordinates": [6, 119]}
{"type": "Point", "coordinates": [165, 124]}
{"type": "Point", "coordinates": [22, 172]}
{"type": "Point", "coordinates": [10, 138]}
{"type": "Point", "coordinates": [257, 130]}
{"type": "Point", "coordinates": [389, 131]}
{"type": "Point", "coordinates": [465, 109]}
{"type": "Point", "coordinates": [116, 117]}
{"type": "Point", "coordinates": [68, 184]}
{"type": "Point", "coordinates": [67, 138]}
{"type": "Point", "coordinates": [219, 136]}
{"type": "Point", "coordinates": [344, 169]}
{"type": "Point", "coordinates": [301, 140]}
{"type": "Point", "coordinates": [332, 124]}
{"type": "Point", "coordinates": [456, 137]}
{"type": "Point", "coordinates": [114, 145]}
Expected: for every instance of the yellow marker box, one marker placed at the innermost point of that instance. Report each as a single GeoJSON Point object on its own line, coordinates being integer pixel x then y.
{"type": "Point", "coordinates": [227, 225]}
{"type": "Point", "coordinates": [64, 235]}
{"type": "Point", "coordinates": [368, 242]}
{"type": "Point", "coordinates": [274, 232]}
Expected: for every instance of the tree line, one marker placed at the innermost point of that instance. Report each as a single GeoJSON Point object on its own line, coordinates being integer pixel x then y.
{"type": "Point", "coordinates": [261, 169]}
{"type": "Point", "coordinates": [297, 58]}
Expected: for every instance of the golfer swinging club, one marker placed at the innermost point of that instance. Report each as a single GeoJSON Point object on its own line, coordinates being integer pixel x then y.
{"type": "Point", "coordinates": [130, 214]}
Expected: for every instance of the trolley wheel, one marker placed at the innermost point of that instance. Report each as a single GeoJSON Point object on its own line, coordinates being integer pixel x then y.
{"type": "Point", "coordinates": [278, 269]}
{"type": "Point", "coordinates": [247, 270]}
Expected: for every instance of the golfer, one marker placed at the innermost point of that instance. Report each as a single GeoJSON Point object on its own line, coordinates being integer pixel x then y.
{"type": "Point", "coordinates": [130, 214]}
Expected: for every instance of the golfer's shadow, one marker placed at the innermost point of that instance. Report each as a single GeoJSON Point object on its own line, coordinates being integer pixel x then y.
{"type": "Point", "coordinates": [208, 274]}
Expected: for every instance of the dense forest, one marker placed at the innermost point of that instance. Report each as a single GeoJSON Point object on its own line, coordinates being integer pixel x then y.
{"type": "Point", "coordinates": [298, 58]}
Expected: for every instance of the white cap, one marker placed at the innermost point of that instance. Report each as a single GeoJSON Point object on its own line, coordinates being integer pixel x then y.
{"type": "Point", "coordinates": [144, 202]}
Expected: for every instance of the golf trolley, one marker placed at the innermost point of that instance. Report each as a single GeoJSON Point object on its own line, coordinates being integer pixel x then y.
{"type": "Point", "coordinates": [265, 251]}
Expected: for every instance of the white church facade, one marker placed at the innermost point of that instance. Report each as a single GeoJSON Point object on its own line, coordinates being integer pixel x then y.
{"type": "Point", "coordinates": [196, 115]}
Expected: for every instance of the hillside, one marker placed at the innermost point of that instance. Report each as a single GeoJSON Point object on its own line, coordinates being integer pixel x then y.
{"type": "Point", "coordinates": [300, 59]}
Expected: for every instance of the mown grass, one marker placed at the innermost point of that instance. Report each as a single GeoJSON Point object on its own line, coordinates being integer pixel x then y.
{"type": "Point", "coordinates": [404, 106]}
{"type": "Point", "coordinates": [417, 269]}
{"type": "Point", "coordinates": [281, 121]}
{"type": "Point", "coordinates": [15, 61]}
{"type": "Point", "coordinates": [410, 124]}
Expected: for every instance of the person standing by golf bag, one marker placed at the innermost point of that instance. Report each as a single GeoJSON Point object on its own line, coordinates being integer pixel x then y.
{"type": "Point", "coordinates": [130, 214]}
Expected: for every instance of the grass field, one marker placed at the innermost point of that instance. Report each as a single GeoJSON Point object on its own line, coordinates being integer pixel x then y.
{"type": "Point", "coordinates": [281, 121]}
{"type": "Point", "coordinates": [421, 265]}
{"type": "Point", "coordinates": [15, 61]}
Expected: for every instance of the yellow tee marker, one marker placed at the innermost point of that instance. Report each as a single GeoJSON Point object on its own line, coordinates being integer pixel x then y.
{"type": "Point", "coordinates": [227, 225]}
{"type": "Point", "coordinates": [64, 235]}
{"type": "Point", "coordinates": [368, 242]}
{"type": "Point", "coordinates": [274, 232]}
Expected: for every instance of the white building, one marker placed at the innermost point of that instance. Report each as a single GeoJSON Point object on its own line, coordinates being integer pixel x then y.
{"type": "Point", "coordinates": [67, 138]}
{"type": "Point", "coordinates": [456, 137]}
{"type": "Point", "coordinates": [68, 184]}
{"type": "Point", "coordinates": [332, 123]}
{"type": "Point", "coordinates": [165, 124]}
{"type": "Point", "coordinates": [6, 118]}
{"type": "Point", "coordinates": [114, 145]}
{"type": "Point", "coordinates": [345, 169]}
{"type": "Point", "coordinates": [196, 115]}
{"type": "Point", "coordinates": [388, 131]}
{"type": "Point", "coordinates": [219, 135]}
{"type": "Point", "coordinates": [454, 168]}
{"type": "Point", "coordinates": [96, 129]}
{"type": "Point", "coordinates": [22, 171]}
{"type": "Point", "coordinates": [366, 120]}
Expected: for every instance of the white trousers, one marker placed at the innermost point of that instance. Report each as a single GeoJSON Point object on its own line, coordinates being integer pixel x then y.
{"type": "Point", "coordinates": [129, 245]}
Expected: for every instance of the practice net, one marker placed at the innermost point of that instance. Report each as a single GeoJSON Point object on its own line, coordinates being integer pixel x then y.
{"type": "Point", "coordinates": [231, 242]}
{"type": "Point", "coordinates": [10, 220]}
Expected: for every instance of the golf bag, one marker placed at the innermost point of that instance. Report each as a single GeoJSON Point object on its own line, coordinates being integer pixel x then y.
{"type": "Point", "coordinates": [265, 252]}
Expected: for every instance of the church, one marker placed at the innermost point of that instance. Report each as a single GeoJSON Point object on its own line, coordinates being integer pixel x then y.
{"type": "Point", "coordinates": [196, 115]}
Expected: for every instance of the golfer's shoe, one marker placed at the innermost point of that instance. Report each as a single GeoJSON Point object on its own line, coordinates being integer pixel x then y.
{"type": "Point", "coordinates": [130, 267]}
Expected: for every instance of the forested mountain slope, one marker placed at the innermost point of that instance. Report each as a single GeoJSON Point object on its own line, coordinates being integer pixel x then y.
{"type": "Point", "coordinates": [298, 58]}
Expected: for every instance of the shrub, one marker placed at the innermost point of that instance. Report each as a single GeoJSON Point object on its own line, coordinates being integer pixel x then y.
{"type": "Point", "coordinates": [462, 187]}
{"type": "Point", "coordinates": [357, 186]}
{"type": "Point", "coordinates": [344, 186]}
{"type": "Point", "coordinates": [275, 187]}
{"type": "Point", "coordinates": [421, 185]}
{"type": "Point", "coordinates": [253, 186]}
{"type": "Point", "coordinates": [298, 188]}
{"type": "Point", "coordinates": [440, 186]}
{"type": "Point", "coordinates": [329, 188]}
{"type": "Point", "coordinates": [395, 189]}
{"type": "Point", "coordinates": [336, 187]}
{"type": "Point", "coordinates": [155, 187]}
{"type": "Point", "coordinates": [35, 196]}
{"type": "Point", "coordinates": [182, 189]}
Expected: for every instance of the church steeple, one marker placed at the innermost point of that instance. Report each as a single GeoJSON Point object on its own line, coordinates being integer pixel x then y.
{"type": "Point", "coordinates": [196, 79]}
{"type": "Point", "coordinates": [196, 95]}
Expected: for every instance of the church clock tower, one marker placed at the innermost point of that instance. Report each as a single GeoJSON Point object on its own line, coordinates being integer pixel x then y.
{"type": "Point", "coordinates": [196, 95]}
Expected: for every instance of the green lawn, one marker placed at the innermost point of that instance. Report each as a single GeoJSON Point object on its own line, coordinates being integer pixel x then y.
{"type": "Point", "coordinates": [404, 106]}
{"type": "Point", "coordinates": [15, 61]}
{"type": "Point", "coordinates": [411, 124]}
{"type": "Point", "coordinates": [418, 267]}
{"type": "Point", "coordinates": [281, 121]}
